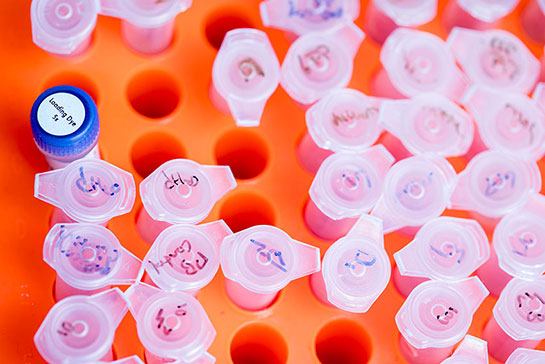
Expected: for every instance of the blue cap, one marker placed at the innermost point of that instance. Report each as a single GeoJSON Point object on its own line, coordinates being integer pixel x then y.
{"type": "Point", "coordinates": [62, 126]}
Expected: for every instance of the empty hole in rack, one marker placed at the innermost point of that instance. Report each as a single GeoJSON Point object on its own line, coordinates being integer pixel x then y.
{"type": "Point", "coordinates": [222, 21]}
{"type": "Point", "coordinates": [154, 94]}
{"type": "Point", "coordinates": [244, 151]}
{"type": "Point", "coordinates": [343, 341]}
{"type": "Point", "coordinates": [76, 79]}
{"type": "Point", "coordinates": [153, 149]}
{"type": "Point", "coordinates": [245, 210]}
{"type": "Point", "coordinates": [258, 343]}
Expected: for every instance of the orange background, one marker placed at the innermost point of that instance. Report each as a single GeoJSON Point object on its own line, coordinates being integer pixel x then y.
{"type": "Point", "coordinates": [153, 109]}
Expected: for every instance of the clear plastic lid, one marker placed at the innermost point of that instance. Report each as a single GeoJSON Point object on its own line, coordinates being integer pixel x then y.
{"type": "Point", "coordinates": [418, 62]}
{"type": "Point", "coordinates": [170, 325]}
{"type": "Point", "coordinates": [526, 356]}
{"type": "Point", "coordinates": [519, 240]}
{"type": "Point", "coordinates": [304, 16]}
{"type": "Point", "coordinates": [488, 10]}
{"type": "Point", "coordinates": [495, 184]}
{"type": "Point", "coordinates": [471, 350]}
{"type": "Point", "coordinates": [539, 95]}
{"type": "Point", "coordinates": [60, 26]}
{"type": "Point", "coordinates": [183, 191]}
{"type": "Point", "coordinates": [348, 185]}
{"type": "Point", "coordinates": [245, 73]}
{"type": "Point", "coordinates": [89, 256]}
{"type": "Point", "coordinates": [411, 13]}
{"type": "Point", "coordinates": [317, 63]}
{"type": "Point", "coordinates": [87, 190]}
{"type": "Point", "coordinates": [186, 257]}
{"type": "Point", "coordinates": [416, 189]}
{"type": "Point", "coordinates": [446, 248]}
{"type": "Point", "coordinates": [356, 268]}
{"type": "Point", "coordinates": [428, 123]}
{"type": "Point", "coordinates": [145, 13]}
{"type": "Point", "coordinates": [508, 122]}
{"type": "Point", "coordinates": [80, 329]}
{"type": "Point", "coordinates": [264, 259]}
{"type": "Point", "coordinates": [134, 359]}
{"type": "Point", "coordinates": [344, 120]}
{"type": "Point", "coordinates": [438, 315]}
{"type": "Point", "coordinates": [520, 310]}
{"type": "Point", "coordinates": [494, 58]}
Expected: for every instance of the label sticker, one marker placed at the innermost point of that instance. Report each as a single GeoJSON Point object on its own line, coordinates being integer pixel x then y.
{"type": "Point", "coordinates": [61, 114]}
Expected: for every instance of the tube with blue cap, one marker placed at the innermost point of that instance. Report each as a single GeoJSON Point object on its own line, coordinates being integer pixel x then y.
{"type": "Point", "coordinates": [65, 125]}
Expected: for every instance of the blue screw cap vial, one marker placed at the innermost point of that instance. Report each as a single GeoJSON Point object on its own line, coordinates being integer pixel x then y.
{"type": "Point", "coordinates": [65, 124]}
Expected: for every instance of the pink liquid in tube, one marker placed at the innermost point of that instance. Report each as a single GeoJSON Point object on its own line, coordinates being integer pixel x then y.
{"type": "Point", "coordinates": [416, 62]}
{"type": "Point", "coordinates": [518, 247]}
{"type": "Point", "coordinates": [436, 316]}
{"type": "Point", "coordinates": [416, 189]}
{"type": "Point", "coordinates": [509, 122]}
{"type": "Point", "coordinates": [298, 17]}
{"type": "Point", "coordinates": [495, 183]}
{"type": "Point", "coordinates": [245, 74]}
{"type": "Point", "coordinates": [88, 259]}
{"type": "Point", "coordinates": [344, 120]}
{"type": "Point", "coordinates": [355, 269]}
{"type": "Point", "coordinates": [180, 191]}
{"type": "Point", "coordinates": [445, 248]}
{"type": "Point", "coordinates": [172, 326]}
{"type": "Point", "coordinates": [260, 261]}
{"type": "Point", "coordinates": [518, 319]}
{"type": "Point", "coordinates": [476, 14]}
{"type": "Point", "coordinates": [81, 329]}
{"type": "Point", "coordinates": [317, 63]}
{"type": "Point", "coordinates": [186, 257]}
{"type": "Point", "coordinates": [87, 190]}
{"type": "Point", "coordinates": [346, 186]}
{"type": "Point", "coordinates": [471, 350]}
{"type": "Point", "coordinates": [428, 123]}
{"type": "Point", "coordinates": [147, 26]}
{"type": "Point", "coordinates": [382, 17]}
{"type": "Point", "coordinates": [533, 20]}
{"type": "Point", "coordinates": [495, 59]}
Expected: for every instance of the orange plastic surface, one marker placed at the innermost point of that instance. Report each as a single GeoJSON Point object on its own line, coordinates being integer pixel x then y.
{"type": "Point", "coordinates": [156, 108]}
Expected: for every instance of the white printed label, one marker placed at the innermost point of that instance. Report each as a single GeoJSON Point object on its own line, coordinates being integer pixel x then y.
{"type": "Point", "coordinates": [61, 114]}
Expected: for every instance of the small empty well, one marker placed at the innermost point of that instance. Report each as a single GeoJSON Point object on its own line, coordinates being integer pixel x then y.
{"type": "Point", "coordinates": [245, 210]}
{"type": "Point", "coordinates": [258, 343]}
{"type": "Point", "coordinates": [222, 21]}
{"type": "Point", "coordinates": [153, 149]}
{"type": "Point", "coordinates": [72, 78]}
{"type": "Point", "coordinates": [154, 94]}
{"type": "Point", "coordinates": [244, 151]}
{"type": "Point", "coordinates": [343, 341]}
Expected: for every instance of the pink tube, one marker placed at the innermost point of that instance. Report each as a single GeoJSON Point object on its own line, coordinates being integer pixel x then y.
{"type": "Point", "coordinates": [317, 285]}
{"type": "Point", "coordinates": [382, 86]}
{"type": "Point", "coordinates": [146, 279]}
{"type": "Point", "coordinates": [394, 146]}
{"type": "Point", "coordinates": [476, 147]}
{"type": "Point", "coordinates": [423, 356]}
{"type": "Point", "coordinates": [405, 284]}
{"type": "Point", "coordinates": [323, 226]}
{"type": "Point", "coordinates": [63, 290]}
{"type": "Point", "coordinates": [311, 155]}
{"type": "Point", "coordinates": [455, 16]}
{"type": "Point", "coordinates": [501, 345]}
{"type": "Point", "coordinates": [247, 299]}
{"type": "Point", "coordinates": [493, 277]}
{"type": "Point", "coordinates": [147, 40]}
{"type": "Point", "coordinates": [377, 25]}
{"type": "Point", "coordinates": [533, 21]}
{"type": "Point", "coordinates": [148, 228]}
{"type": "Point", "coordinates": [488, 223]}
